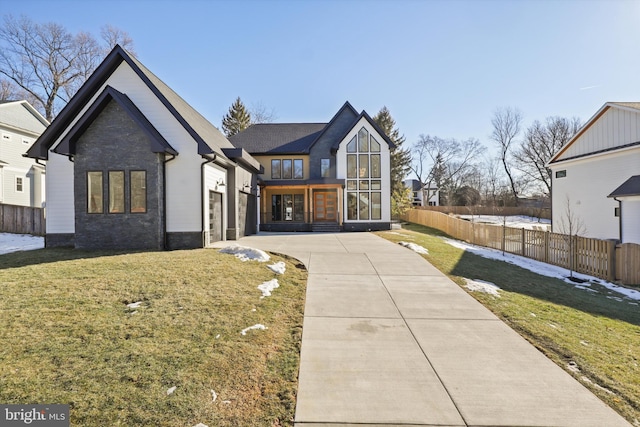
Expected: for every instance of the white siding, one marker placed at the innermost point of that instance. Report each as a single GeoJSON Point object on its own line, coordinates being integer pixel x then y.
{"type": "Point", "coordinates": [588, 183]}
{"type": "Point", "coordinates": [213, 176]}
{"type": "Point", "coordinates": [11, 150]}
{"type": "Point", "coordinates": [385, 169]}
{"type": "Point", "coordinates": [183, 173]}
{"type": "Point", "coordinates": [631, 220]}
{"type": "Point", "coordinates": [60, 205]}
{"type": "Point", "coordinates": [614, 128]}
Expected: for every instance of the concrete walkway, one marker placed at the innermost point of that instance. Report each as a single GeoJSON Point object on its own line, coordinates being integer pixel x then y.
{"type": "Point", "coordinates": [388, 340]}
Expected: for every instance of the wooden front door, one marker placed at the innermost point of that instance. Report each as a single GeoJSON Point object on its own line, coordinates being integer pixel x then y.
{"type": "Point", "coordinates": [325, 206]}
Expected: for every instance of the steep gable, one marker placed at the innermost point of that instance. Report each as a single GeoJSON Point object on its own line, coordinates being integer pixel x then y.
{"type": "Point", "coordinates": [20, 115]}
{"type": "Point", "coordinates": [615, 126]}
{"type": "Point", "coordinates": [209, 139]}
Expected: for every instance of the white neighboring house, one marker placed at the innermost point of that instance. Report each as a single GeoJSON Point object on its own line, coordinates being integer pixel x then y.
{"type": "Point", "coordinates": [418, 193]}
{"type": "Point", "coordinates": [595, 175]}
{"type": "Point", "coordinates": [21, 178]}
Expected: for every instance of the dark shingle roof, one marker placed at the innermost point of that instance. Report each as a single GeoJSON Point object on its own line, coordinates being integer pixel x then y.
{"type": "Point", "coordinates": [280, 138]}
{"type": "Point", "coordinates": [630, 187]}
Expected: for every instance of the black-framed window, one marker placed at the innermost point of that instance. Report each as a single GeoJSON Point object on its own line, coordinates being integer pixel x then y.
{"type": "Point", "coordinates": [561, 174]}
{"type": "Point", "coordinates": [276, 169]}
{"type": "Point", "coordinates": [138, 192]}
{"type": "Point", "coordinates": [325, 168]}
{"type": "Point", "coordinates": [95, 192]}
{"type": "Point", "coordinates": [298, 169]}
{"type": "Point", "coordinates": [287, 169]}
{"type": "Point", "coordinates": [116, 191]}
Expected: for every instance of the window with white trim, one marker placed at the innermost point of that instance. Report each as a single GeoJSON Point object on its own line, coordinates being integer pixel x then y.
{"type": "Point", "coordinates": [19, 184]}
{"type": "Point", "coordinates": [364, 184]}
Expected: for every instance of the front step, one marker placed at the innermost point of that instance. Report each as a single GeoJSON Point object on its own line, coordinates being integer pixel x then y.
{"type": "Point", "coordinates": [326, 227]}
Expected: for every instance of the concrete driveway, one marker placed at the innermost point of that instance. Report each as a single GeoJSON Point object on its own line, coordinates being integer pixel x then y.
{"type": "Point", "coordinates": [388, 340]}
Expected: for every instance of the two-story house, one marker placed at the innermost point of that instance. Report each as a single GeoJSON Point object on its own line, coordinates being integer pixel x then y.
{"type": "Point", "coordinates": [322, 176]}
{"type": "Point", "coordinates": [21, 179]}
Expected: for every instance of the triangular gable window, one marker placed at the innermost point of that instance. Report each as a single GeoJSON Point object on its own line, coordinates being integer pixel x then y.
{"type": "Point", "coordinates": [375, 145]}
{"type": "Point", "coordinates": [351, 146]}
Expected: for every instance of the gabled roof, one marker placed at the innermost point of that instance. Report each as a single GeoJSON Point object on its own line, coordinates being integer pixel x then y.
{"type": "Point", "coordinates": [368, 118]}
{"type": "Point", "coordinates": [629, 106]}
{"type": "Point", "coordinates": [278, 138]}
{"type": "Point", "coordinates": [630, 187]}
{"type": "Point", "coordinates": [12, 113]}
{"type": "Point", "coordinates": [67, 146]}
{"type": "Point", "coordinates": [208, 138]}
{"type": "Point", "coordinates": [296, 138]}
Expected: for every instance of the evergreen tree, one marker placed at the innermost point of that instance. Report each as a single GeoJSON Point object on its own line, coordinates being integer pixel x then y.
{"type": "Point", "coordinates": [400, 157]}
{"type": "Point", "coordinates": [237, 119]}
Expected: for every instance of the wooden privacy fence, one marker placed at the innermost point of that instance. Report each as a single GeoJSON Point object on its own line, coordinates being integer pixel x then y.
{"type": "Point", "coordinates": [22, 219]}
{"type": "Point", "coordinates": [595, 257]}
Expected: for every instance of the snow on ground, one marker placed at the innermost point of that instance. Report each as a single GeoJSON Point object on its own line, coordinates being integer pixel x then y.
{"type": "Point", "coordinates": [267, 287]}
{"type": "Point", "coordinates": [244, 253]}
{"type": "Point", "coordinates": [482, 286]}
{"type": "Point", "coordinates": [19, 242]}
{"type": "Point", "coordinates": [278, 268]}
{"type": "Point", "coordinates": [514, 221]}
{"type": "Point", "coordinates": [257, 326]}
{"type": "Point", "coordinates": [544, 269]}
{"type": "Point", "coordinates": [416, 248]}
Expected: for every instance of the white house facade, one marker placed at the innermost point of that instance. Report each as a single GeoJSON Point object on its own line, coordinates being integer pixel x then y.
{"type": "Point", "coordinates": [587, 171]}
{"type": "Point", "coordinates": [22, 180]}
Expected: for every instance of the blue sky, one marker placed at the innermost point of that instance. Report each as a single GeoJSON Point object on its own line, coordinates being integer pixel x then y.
{"type": "Point", "coordinates": [441, 67]}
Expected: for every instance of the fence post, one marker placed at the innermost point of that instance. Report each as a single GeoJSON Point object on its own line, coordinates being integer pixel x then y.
{"type": "Point", "coordinates": [546, 246]}
{"type": "Point", "coordinates": [523, 242]}
{"type": "Point", "coordinates": [611, 260]}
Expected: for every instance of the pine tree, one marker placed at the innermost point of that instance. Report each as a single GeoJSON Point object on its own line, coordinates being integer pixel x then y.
{"type": "Point", "coordinates": [237, 119]}
{"type": "Point", "coordinates": [400, 158]}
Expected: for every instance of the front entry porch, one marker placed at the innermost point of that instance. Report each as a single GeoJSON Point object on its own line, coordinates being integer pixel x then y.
{"type": "Point", "coordinates": [301, 208]}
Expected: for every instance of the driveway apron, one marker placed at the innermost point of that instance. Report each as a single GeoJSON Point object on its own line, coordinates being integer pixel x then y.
{"type": "Point", "coordinates": [388, 340]}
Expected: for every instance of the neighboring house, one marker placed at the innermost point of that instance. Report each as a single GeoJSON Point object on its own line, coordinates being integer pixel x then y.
{"type": "Point", "coordinates": [131, 165]}
{"type": "Point", "coordinates": [594, 176]}
{"type": "Point", "coordinates": [322, 176]}
{"type": "Point", "coordinates": [419, 192]}
{"type": "Point", "coordinates": [21, 179]}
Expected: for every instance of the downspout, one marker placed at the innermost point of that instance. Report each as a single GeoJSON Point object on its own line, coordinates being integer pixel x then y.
{"type": "Point", "coordinates": [619, 216]}
{"type": "Point", "coordinates": [202, 187]}
{"type": "Point", "coordinates": [164, 200]}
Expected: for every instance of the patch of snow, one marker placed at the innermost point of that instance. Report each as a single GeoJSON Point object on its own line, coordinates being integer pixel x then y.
{"type": "Point", "coordinates": [540, 267]}
{"type": "Point", "coordinates": [134, 304]}
{"type": "Point", "coordinates": [257, 326]}
{"type": "Point", "coordinates": [482, 286]}
{"type": "Point", "coordinates": [553, 326]}
{"type": "Point", "coordinates": [598, 386]}
{"type": "Point", "coordinates": [244, 253]}
{"type": "Point", "coordinates": [414, 247]}
{"type": "Point", "coordinates": [10, 242]}
{"type": "Point", "coordinates": [226, 402]}
{"type": "Point", "coordinates": [218, 336]}
{"type": "Point", "coordinates": [200, 425]}
{"type": "Point", "coordinates": [133, 312]}
{"type": "Point", "coordinates": [267, 287]}
{"type": "Point", "coordinates": [584, 343]}
{"type": "Point", "coordinates": [171, 390]}
{"type": "Point", "coordinates": [573, 367]}
{"type": "Point", "coordinates": [513, 221]}
{"type": "Point", "coordinates": [533, 315]}
{"type": "Point", "coordinates": [214, 395]}
{"type": "Point", "coordinates": [278, 268]}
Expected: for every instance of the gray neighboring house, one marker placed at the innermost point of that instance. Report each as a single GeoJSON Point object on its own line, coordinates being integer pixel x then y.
{"type": "Point", "coordinates": [22, 180]}
{"type": "Point", "coordinates": [131, 165]}
{"type": "Point", "coordinates": [418, 193]}
{"type": "Point", "coordinates": [328, 176]}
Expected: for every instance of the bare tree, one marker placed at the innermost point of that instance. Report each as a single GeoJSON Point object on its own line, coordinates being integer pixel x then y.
{"type": "Point", "coordinates": [541, 141]}
{"type": "Point", "coordinates": [46, 61]}
{"type": "Point", "coordinates": [261, 114]}
{"type": "Point", "coordinates": [444, 162]}
{"type": "Point", "coordinates": [571, 226]}
{"type": "Point", "coordinates": [506, 128]}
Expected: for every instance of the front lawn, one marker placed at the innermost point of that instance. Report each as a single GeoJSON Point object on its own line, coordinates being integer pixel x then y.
{"type": "Point", "coordinates": [68, 336]}
{"type": "Point", "coordinates": [593, 334]}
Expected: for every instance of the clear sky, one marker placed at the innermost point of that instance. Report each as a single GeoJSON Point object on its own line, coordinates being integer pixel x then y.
{"type": "Point", "coordinates": [441, 67]}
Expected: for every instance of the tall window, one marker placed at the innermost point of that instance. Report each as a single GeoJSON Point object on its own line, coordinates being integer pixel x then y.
{"type": "Point", "coordinates": [298, 169]}
{"type": "Point", "coordinates": [364, 198]}
{"type": "Point", "coordinates": [138, 182]}
{"type": "Point", "coordinates": [287, 169]}
{"type": "Point", "coordinates": [325, 168]}
{"type": "Point", "coordinates": [276, 172]}
{"type": "Point", "coordinates": [287, 207]}
{"type": "Point", "coordinates": [116, 191]}
{"type": "Point", "coordinates": [94, 192]}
